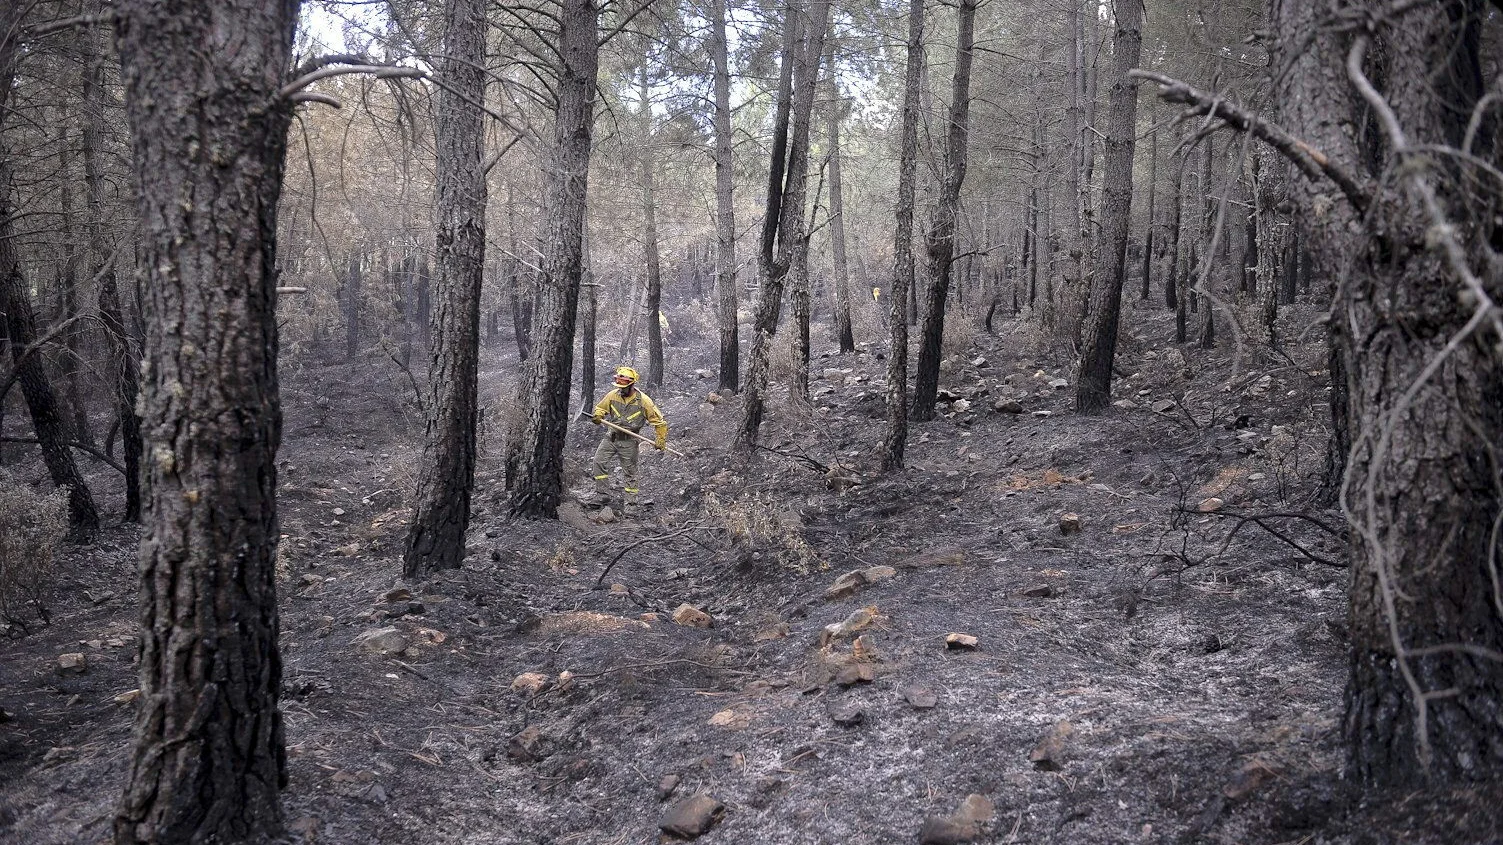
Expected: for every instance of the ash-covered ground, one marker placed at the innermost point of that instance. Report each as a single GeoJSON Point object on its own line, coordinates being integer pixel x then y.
{"type": "Point", "coordinates": [1148, 665]}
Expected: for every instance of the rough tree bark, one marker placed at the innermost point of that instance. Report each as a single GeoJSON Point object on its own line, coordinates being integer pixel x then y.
{"type": "Point", "coordinates": [725, 216]}
{"type": "Point", "coordinates": [1423, 492]}
{"type": "Point", "coordinates": [1153, 184]}
{"type": "Point", "coordinates": [209, 134]}
{"type": "Point", "coordinates": [896, 439]}
{"type": "Point", "coordinates": [939, 240]}
{"type": "Point", "coordinates": [446, 471]}
{"type": "Point", "coordinates": [1093, 393]}
{"type": "Point", "coordinates": [545, 388]}
{"type": "Point", "coordinates": [20, 322]}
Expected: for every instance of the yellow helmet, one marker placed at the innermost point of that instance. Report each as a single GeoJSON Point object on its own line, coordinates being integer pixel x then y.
{"type": "Point", "coordinates": [625, 376]}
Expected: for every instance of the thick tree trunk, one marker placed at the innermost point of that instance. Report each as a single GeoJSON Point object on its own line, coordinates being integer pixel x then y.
{"type": "Point", "coordinates": [20, 322]}
{"type": "Point", "coordinates": [1094, 387]}
{"type": "Point", "coordinates": [939, 240]}
{"type": "Point", "coordinates": [725, 217]}
{"type": "Point", "coordinates": [446, 471]}
{"type": "Point", "coordinates": [209, 132]}
{"type": "Point", "coordinates": [843, 333]}
{"type": "Point", "coordinates": [1426, 386]}
{"type": "Point", "coordinates": [791, 230]}
{"type": "Point", "coordinates": [896, 439]}
{"type": "Point", "coordinates": [545, 389]}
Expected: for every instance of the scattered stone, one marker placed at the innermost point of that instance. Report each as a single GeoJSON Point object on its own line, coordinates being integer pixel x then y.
{"type": "Point", "coordinates": [1042, 414]}
{"type": "Point", "coordinates": [692, 617]}
{"type": "Point", "coordinates": [1042, 591]}
{"type": "Point", "coordinates": [375, 793]}
{"type": "Point", "coordinates": [855, 673]}
{"type": "Point", "coordinates": [1211, 505]}
{"type": "Point", "coordinates": [1163, 406]}
{"type": "Point", "coordinates": [667, 786]}
{"type": "Point", "coordinates": [1257, 476]}
{"type": "Point", "coordinates": [856, 621]}
{"type": "Point", "coordinates": [846, 585]}
{"type": "Point", "coordinates": [383, 641]}
{"type": "Point", "coordinates": [530, 683]}
{"type": "Point", "coordinates": [1048, 755]}
{"type": "Point", "coordinates": [847, 712]}
{"type": "Point", "coordinates": [961, 642]}
{"type": "Point", "coordinates": [1007, 406]}
{"type": "Point", "coordinates": [701, 374]}
{"type": "Point", "coordinates": [649, 618]}
{"type": "Point", "coordinates": [400, 594]}
{"type": "Point", "coordinates": [310, 580]}
{"type": "Point", "coordinates": [527, 746]}
{"type": "Point", "coordinates": [98, 598]}
{"type": "Point", "coordinates": [879, 573]}
{"type": "Point", "coordinates": [1059, 383]}
{"type": "Point", "coordinates": [1125, 404]}
{"type": "Point", "coordinates": [714, 398]}
{"type": "Point", "coordinates": [338, 511]}
{"type": "Point", "coordinates": [5, 716]}
{"type": "Point", "coordinates": [960, 406]}
{"type": "Point", "coordinates": [605, 516]}
{"type": "Point", "coordinates": [920, 697]}
{"type": "Point", "coordinates": [978, 362]}
{"type": "Point", "coordinates": [72, 663]}
{"type": "Point", "coordinates": [836, 376]}
{"type": "Point", "coordinates": [692, 817]}
{"type": "Point", "coordinates": [620, 590]}
{"type": "Point", "coordinates": [1069, 523]}
{"type": "Point", "coordinates": [729, 719]}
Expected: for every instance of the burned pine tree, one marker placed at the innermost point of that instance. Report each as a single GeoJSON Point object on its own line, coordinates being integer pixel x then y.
{"type": "Point", "coordinates": [204, 91]}
{"type": "Point", "coordinates": [545, 387]}
{"type": "Point", "coordinates": [896, 438]}
{"type": "Point", "coordinates": [446, 473]}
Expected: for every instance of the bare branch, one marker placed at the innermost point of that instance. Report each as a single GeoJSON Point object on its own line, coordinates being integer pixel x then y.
{"type": "Point", "coordinates": [1312, 162]}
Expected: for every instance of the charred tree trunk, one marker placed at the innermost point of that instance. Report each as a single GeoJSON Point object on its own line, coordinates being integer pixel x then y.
{"type": "Point", "coordinates": [791, 230]}
{"type": "Point", "coordinates": [725, 217]}
{"type": "Point", "coordinates": [843, 333]}
{"type": "Point", "coordinates": [209, 135]}
{"type": "Point", "coordinates": [446, 471]}
{"type": "Point", "coordinates": [1421, 494]}
{"type": "Point", "coordinates": [124, 367]}
{"type": "Point", "coordinates": [20, 322]}
{"type": "Point", "coordinates": [545, 389]}
{"type": "Point", "coordinates": [652, 258]}
{"type": "Point", "coordinates": [939, 241]}
{"type": "Point", "coordinates": [896, 440]}
{"type": "Point", "coordinates": [1153, 185]}
{"type": "Point", "coordinates": [1094, 388]}
{"type": "Point", "coordinates": [68, 300]}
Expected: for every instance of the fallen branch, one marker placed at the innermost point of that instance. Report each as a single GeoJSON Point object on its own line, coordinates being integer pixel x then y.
{"type": "Point", "coordinates": [1258, 519]}
{"type": "Point", "coordinates": [617, 559]}
{"type": "Point", "coordinates": [82, 447]}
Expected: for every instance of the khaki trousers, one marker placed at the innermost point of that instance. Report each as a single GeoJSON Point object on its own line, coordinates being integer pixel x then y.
{"type": "Point", "coordinates": [625, 450]}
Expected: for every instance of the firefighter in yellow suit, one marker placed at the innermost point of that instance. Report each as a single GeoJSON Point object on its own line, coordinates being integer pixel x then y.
{"type": "Point", "coordinates": [629, 408]}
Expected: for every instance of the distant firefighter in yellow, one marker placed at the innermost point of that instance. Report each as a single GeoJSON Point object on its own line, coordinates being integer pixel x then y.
{"type": "Point", "coordinates": [624, 409]}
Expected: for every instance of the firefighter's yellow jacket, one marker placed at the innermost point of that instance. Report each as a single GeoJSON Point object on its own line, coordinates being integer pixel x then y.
{"type": "Point", "coordinates": [631, 413]}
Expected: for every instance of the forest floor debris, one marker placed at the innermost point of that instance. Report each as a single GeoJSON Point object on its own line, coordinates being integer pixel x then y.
{"type": "Point", "coordinates": [1131, 678]}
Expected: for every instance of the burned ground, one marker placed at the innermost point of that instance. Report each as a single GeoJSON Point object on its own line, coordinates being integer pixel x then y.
{"type": "Point", "coordinates": [1149, 677]}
